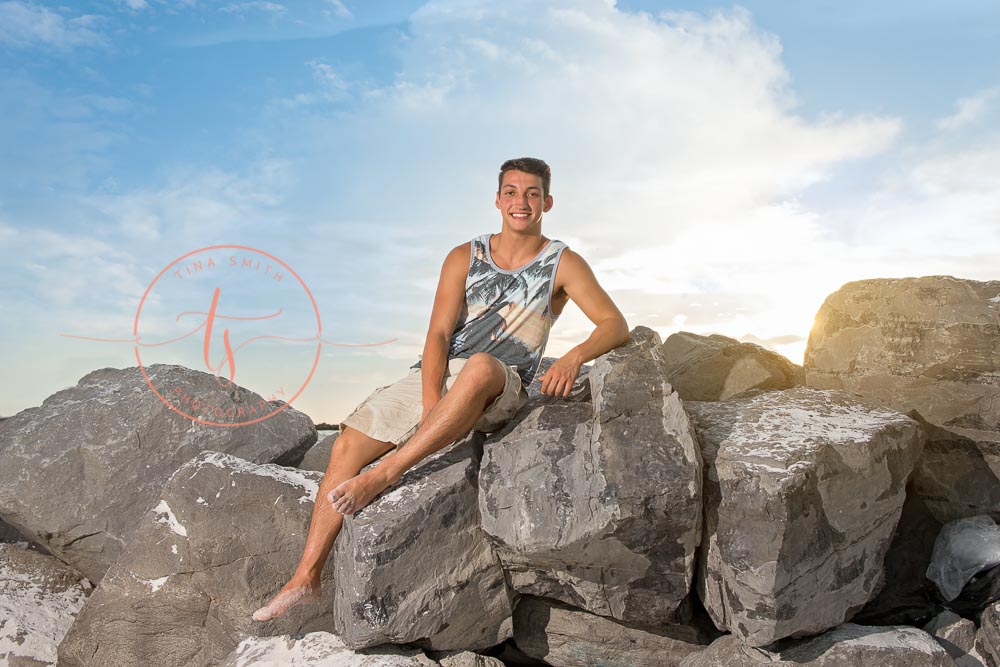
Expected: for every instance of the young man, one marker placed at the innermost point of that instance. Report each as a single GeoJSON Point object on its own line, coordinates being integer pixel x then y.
{"type": "Point", "coordinates": [496, 301]}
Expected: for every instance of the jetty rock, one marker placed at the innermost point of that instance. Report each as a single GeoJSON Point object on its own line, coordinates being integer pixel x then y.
{"type": "Point", "coordinates": [80, 469]}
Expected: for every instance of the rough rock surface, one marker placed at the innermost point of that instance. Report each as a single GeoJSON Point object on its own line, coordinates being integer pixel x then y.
{"type": "Point", "coordinates": [39, 599]}
{"type": "Point", "coordinates": [957, 476]}
{"type": "Point", "coordinates": [318, 456]}
{"type": "Point", "coordinates": [717, 367]}
{"type": "Point", "coordinates": [108, 445]}
{"type": "Point", "coordinates": [319, 649]}
{"type": "Point", "coordinates": [569, 637]}
{"type": "Point", "coordinates": [988, 636]}
{"type": "Point", "coordinates": [847, 645]}
{"type": "Point", "coordinates": [223, 538]}
{"type": "Point", "coordinates": [956, 634]}
{"type": "Point", "coordinates": [598, 503]}
{"type": "Point", "coordinates": [803, 491]}
{"type": "Point", "coordinates": [414, 565]}
{"type": "Point", "coordinates": [469, 659]}
{"type": "Point", "coordinates": [927, 344]}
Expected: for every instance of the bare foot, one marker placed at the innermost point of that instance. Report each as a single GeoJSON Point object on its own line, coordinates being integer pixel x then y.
{"type": "Point", "coordinates": [296, 591]}
{"type": "Point", "coordinates": [350, 496]}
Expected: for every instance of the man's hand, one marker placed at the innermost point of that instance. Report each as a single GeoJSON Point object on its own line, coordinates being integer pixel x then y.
{"type": "Point", "coordinates": [559, 379]}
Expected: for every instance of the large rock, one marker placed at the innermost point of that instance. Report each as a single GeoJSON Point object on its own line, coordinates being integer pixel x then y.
{"type": "Point", "coordinates": [83, 467]}
{"type": "Point", "coordinates": [569, 637]}
{"type": "Point", "coordinates": [988, 636]}
{"type": "Point", "coordinates": [848, 645]}
{"type": "Point", "coordinates": [223, 538]}
{"type": "Point", "coordinates": [598, 502]}
{"type": "Point", "coordinates": [717, 367]}
{"type": "Point", "coordinates": [927, 344]}
{"type": "Point", "coordinates": [39, 599]}
{"type": "Point", "coordinates": [414, 566]}
{"type": "Point", "coordinates": [803, 491]}
{"type": "Point", "coordinates": [955, 634]}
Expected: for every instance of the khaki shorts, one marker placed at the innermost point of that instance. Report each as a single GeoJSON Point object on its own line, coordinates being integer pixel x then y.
{"type": "Point", "coordinates": [392, 413]}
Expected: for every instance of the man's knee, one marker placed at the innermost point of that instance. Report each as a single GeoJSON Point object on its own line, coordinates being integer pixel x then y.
{"type": "Point", "coordinates": [353, 448]}
{"type": "Point", "coordinates": [484, 369]}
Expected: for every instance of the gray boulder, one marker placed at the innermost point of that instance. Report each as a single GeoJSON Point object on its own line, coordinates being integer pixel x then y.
{"type": "Point", "coordinates": [85, 465]}
{"type": "Point", "coordinates": [849, 644]}
{"type": "Point", "coordinates": [598, 502]}
{"type": "Point", "coordinates": [956, 634]}
{"type": "Point", "coordinates": [570, 637]}
{"type": "Point", "coordinates": [414, 566]}
{"type": "Point", "coordinates": [988, 635]}
{"type": "Point", "coordinates": [717, 367]}
{"type": "Point", "coordinates": [927, 344]}
{"type": "Point", "coordinates": [223, 538]}
{"type": "Point", "coordinates": [39, 599]}
{"type": "Point", "coordinates": [803, 491]}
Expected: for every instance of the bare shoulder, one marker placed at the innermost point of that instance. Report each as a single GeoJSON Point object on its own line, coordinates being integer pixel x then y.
{"type": "Point", "coordinates": [572, 269]}
{"type": "Point", "coordinates": [458, 257]}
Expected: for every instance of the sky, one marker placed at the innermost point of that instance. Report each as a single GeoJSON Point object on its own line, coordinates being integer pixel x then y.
{"type": "Point", "coordinates": [721, 167]}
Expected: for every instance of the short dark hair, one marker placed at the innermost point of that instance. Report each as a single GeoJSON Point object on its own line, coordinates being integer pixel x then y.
{"type": "Point", "coordinates": [528, 165]}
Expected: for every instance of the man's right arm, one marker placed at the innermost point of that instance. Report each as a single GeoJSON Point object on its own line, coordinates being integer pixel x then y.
{"type": "Point", "coordinates": [447, 307]}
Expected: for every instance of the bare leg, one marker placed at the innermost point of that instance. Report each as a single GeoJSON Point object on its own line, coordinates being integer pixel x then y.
{"type": "Point", "coordinates": [352, 451]}
{"type": "Point", "coordinates": [479, 382]}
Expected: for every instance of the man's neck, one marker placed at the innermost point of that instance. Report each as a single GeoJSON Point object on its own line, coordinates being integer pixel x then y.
{"type": "Point", "coordinates": [516, 249]}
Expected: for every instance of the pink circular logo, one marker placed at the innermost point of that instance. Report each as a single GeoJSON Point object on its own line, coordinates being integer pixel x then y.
{"type": "Point", "coordinates": [228, 329]}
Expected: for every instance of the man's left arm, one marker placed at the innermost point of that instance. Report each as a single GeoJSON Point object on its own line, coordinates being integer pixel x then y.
{"type": "Point", "coordinates": [582, 287]}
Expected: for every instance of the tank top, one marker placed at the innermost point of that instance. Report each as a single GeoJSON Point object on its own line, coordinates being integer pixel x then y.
{"type": "Point", "coordinates": [507, 313]}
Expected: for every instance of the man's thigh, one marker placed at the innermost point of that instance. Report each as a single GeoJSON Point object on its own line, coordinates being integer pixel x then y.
{"type": "Point", "coordinates": [391, 413]}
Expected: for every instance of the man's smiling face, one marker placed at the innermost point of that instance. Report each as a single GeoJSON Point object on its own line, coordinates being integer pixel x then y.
{"type": "Point", "coordinates": [521, 201]}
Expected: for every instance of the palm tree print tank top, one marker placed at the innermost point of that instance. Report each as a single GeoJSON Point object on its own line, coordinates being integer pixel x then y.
{"type": "Point", "coordinates": [507, 313]}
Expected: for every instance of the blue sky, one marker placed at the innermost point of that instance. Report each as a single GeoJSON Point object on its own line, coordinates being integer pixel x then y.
{"type": "Point", "coordinates": [722, 167]}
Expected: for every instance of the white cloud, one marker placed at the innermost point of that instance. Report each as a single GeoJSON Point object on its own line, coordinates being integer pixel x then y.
{"type": "Point", "coordinates": [195, 204]}
{"type": "Point", "coordinates": [969, 109]}
{"type": "Point", "coordinates": [677, 150]}
{"type": "Point", "coordinates": [134, 5]}
{"type": "Point", "coordinates": [254, 5]}
{"type": "Point", "coordinates": [25, 24]}
{"type": "Point", "coordinates": [650, 124]}
{"type": "Point", "coordinates": [7, 232]}
{"type": "Point", "coordinates": [339, 9]}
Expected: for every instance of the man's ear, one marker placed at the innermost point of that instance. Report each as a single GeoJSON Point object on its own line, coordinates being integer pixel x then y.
{"type": "Point", "coordinates": [548, 203]}
{"type": "Point", "coordinates": [497, 201]}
